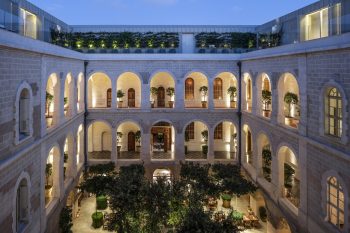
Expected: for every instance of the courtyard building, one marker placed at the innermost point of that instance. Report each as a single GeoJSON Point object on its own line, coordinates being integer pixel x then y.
{"type": "Point", "coordinates": [277, 106]}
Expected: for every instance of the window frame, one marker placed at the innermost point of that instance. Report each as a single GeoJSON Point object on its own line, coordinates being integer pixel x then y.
{"type": "Point", "coordinates": [190, 131]}
{"type": "Point", "coordinates": [218, 132]}
{"type": "Point", "coordinates": [217, 89]}
{"type": "Point", "coordinates": [189, 89]}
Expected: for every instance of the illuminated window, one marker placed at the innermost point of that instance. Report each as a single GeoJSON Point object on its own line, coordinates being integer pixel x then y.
{"type": "Point", "coordinates": [218, 132]}
{"type": "Point", "coordinates": [218, 88]}
{"type": "Point", "coordinates": [334, 109]}
{"type": "Point", "coordinates": [335, 203]}
{"type": "Point", "coordinates": [249, 89]}
{"type": "Point", "coordinates": [189, 89]}
{"type": "Point", "coordinates": [29, 24]}
{"type": "Point", "coordinates": [190, 131]}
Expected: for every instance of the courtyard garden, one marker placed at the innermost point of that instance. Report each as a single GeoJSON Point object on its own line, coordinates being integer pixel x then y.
{"type": "Point", "coordinates": [202, 199]}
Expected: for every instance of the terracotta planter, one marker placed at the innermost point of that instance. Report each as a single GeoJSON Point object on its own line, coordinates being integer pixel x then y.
{"type": "Point", "coordinates": [171, 104]}
{"type": "Point", "coordinates": [266, 113]}
{"type": "Point", "coordinates": [204, 104]}
{"type": "Point", "coordinates": [120, 104]}
{"type": "Point", "coordinates": [48, 192]}
{"type": "Point", "coordinates": [233, 104]}
{"type": "Point", "coordinates": [226, 203]}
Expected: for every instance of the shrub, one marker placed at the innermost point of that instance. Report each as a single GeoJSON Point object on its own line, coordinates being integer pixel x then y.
{"type": "Point", "coordinates": [101, 202]}
{"type": "Point", "coordinates": [65, 222]}
{"type": "Point", "coordinates": [226, 197]}
{"type": "Point", "coordinates": [97, 219]}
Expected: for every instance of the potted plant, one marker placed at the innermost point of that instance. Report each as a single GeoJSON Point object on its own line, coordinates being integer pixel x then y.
{"type": "Point", "coordinates": [97, 219]}
{"type": "Point", "coordinates": [170, 91]}
{"type": "Point", "coordinates": [48, 185]}
{"type": "Point", "coordinates": [65, 102]}
{"type": "Point", "coordinates": [205, 138]}
{"type": "Point", "coordinates": [119, 137]}
{"type": "Point", "coordinates": [120, 95]}
{"type": "Point", "coordinates": [290, 99]}
{"type": "Point", "coordinates": [101, 202]}
{"type": "Point", "coordinates": [266, 167]}
{"type": "Point", "coordinates": [226, 200]}
{"type": "Point", "coordinates": [232, 91]}
{"type": "Point", "coordinates": [266, 101]}
{"type": "Point", "coordinates": [288, 178]}
{"type": "Point", "coordinates": [49, 100]}
{"type": "Point", "coordinates": [138, 140]}
{"type": "Point", "coordinates": [154, 92]}
{"type": "Point", "coordinates": [204, 92]}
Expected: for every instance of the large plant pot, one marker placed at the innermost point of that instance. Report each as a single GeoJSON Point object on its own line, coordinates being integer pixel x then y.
{"type": "Point", "coordinates": [101, 202]}
{"type": "Point", "coordinates": [204, 104]}
{"type": "Point", "coordinates": [233, 104]}
{"type": "Point", "coordinates": [138, 148]}
{"type": "Point", "coordinates": [120, 104]}
{"type": "Point", "coordinates": [266, 113]}
{"type": "Point", "coordinates": [97, 219]}
{"type": "Point", "coordinates": [226, 200]}
{"type": "Point", "coordinates": [171, 104]}
{"type": "Point", "coordinates": [205, 149]}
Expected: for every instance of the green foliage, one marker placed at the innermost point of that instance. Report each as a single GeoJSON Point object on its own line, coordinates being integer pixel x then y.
{"type": "Point", "coordinates": [291, 98]}
{"type": "Point", "coordinates": [237, 216]}
{"type": "Point", "coordinates": [48, 173]}
{"type": "Point", "coordinates": [226, 197]}
{"type": "Point", "coordinates": [266, 98]}
{"type": "Point", "coordinates": [65, 157]}
{"type": "Point", "coordinates": [232, 91]}
{"type": "Point", "coordinates": [101, 202]}
{"type": "Point", "coordinates": [101, 169]}
{"type": "Point", "coordinates": [266, 166]}
{"type": "Point", "coordinates": [263, 213]}
{"type": "Point", "coordinates": [115, 40]}
{"type": "Point", "coordinates": [270, 40]}
{"type": "Point", "coordinates": [97, 219]}
{"type": "Point", "coordinates": [226, 40]}
{"type": "Point", "coordinates": [119, 136]}
{"type": "Point", "coordinates": [65, 221]}
{"type": "Point", "coordinates": [205, 149]}
{"type": "Point", "coordinates": [288, 176]}
{"type": "Point", "coordinates": [120, 94]}
{"type": "Point", "coordinates": [154, 91]}
{"type": "Point", "coordinates": [170, 91]}
{"type": "Point", "coordinates": [138, 136]}
{"type": "Point", "coordinates": [205, 135]}
{"type": "Point", "coordinates": [204, 90]}
{"type": "Point", "coordinates": [49, 97]}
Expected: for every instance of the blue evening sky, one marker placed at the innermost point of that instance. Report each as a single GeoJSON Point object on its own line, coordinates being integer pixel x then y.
{"type": "Point", "coordinates": [187, 12]}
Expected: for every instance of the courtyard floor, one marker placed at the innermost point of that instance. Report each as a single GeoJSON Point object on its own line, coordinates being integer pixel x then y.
{"type": "Point", "coordinates": [82, 223]}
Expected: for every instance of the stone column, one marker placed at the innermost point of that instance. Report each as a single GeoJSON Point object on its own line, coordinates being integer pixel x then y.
{"type": "Point", "coordinates": [255, 105]}
{"type": "Point", "coordinates": [210, 156]}
{"type": "Point", "coordinates": [73, 152]}
{"type": "Point", "coordinates": [179, 95]}
{"type": "Point", "coordinates": [179, 146]}
{"type": "Point", "coordinates": [114, 154]}
{"type": "Point", "coordinates": [302, 166]}
{"type": "Point", "coordinates": [302, 82]}
{"type": "Point", "coordinates": [114, 93]}
{"type": "Point", "coordinates": [274, 104]}
{"type": "Point", "coordinates": [146, 148]}
{"type": "Point", "coordinates": [146, 93]}
{"type": "Point", "coordinates": [58, 114]}
{"type": "Point", "coordinates": [210, 95]}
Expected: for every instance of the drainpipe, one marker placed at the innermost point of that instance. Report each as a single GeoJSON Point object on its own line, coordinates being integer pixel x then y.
{"type": "Point", "coordinates": [239, 114]}
{"type": "Point", "coordinates": [85, 116]}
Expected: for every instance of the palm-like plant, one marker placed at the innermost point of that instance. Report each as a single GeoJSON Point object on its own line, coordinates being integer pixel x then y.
{"type": "Point", "coordinates": [232, 91]}
{"type": "Point", "coordinates": [266, 99]}
{"type": "Point", "coordinates": [290, 99]}
{"type": "Point", "coordinates": [204, 91]}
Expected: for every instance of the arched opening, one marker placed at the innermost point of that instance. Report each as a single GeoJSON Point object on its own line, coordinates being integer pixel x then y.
{"type": "Point", "coordinates": [52, 187]}
{"type": "Point", "coordinates": [68, 96]}
{"type": "Point", "coordinates": [99, 91]}
{"type": "Point", "coordinates": [52, 101]}
{"type": "Point", "coordinates": [128, 141]}
{"type": "Point", "coordinates": [80, 93]}
{"type": "Point", "coordinates": [289, 175]}
{"type": "Point", "coordinates": [333, 112]}
{"type": "Point", "coordinates": [162, 90]}
{"type": "Point", "coordinates": [24, 116]}
{"type": "Point", "coordinates": [162, 173]}
{"type": "Point", "coordinates": [288, 98]}
{"type": "Point", "coordinates": [80, 146]}
{"type": "Point", "coordinates": [248, 92]}
{"type": "Point", "coordinates": [248, 145]}
{"type": "Point", "coordinates": [225, 141]}
{"type": "Point", "coordinates": [265, 157]}
{"type": "Point", "coordinates": [22, 205]}
{"type": "Point", "coordinates": [162, 141]}
{"type": "Point", "coordinates": [264, 95]}
{"type": "Point", "coordinates": [196, 90]}
{"type": "Point", "coordinates": [100, 141]}
{"type": "Point", "coordinates": [130, 84]}
{"type": "Point", "coordinates": [68, 158]}
{"type": "Point", "coordinates": [225, 91]}
{"type": "Point", "coordinates": [196, 140]}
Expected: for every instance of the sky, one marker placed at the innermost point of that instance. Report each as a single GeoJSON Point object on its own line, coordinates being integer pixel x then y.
{"type": "Point", "coordinates": [169, 12]}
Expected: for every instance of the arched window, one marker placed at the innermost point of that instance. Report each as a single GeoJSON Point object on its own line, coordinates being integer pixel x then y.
{"type": "Point", "coordinates": [249, 89]}
{"type": "Point", "coordinates": [22, 208]}
{"type": "Point", "coordinates": [335, 203]}
{"type": "Point", "coordinates": [218, 132]}
{"type": "Point", "coordinates": [131, 98]}
{"type": "Point", "coordinates": [266, 84]}
{"type": "Point", "coordinates": [218, 88]}
{"type": "Point", "coordinates": [24, 114]}
{"type": "Point", "coordinates": [189, 89]}
{"type": "Point", "coordinates": [190, 131]}
{"type": "Point", "coordinates": [334, 108]}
